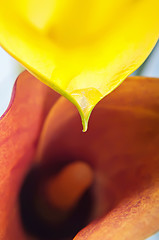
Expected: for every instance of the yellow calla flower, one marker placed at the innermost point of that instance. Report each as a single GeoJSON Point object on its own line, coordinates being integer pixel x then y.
{"type": "Point", "coordinates": [81, 49]}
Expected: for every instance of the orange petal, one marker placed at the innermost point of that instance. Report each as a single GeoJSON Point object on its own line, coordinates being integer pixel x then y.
{"type": "Point", "coordinates": [20, 129]}
{"type": "Point", "coordinates": [122, 148]}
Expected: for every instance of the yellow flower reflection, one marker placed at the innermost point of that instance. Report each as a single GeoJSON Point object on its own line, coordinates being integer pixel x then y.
{"type": "Point", "coordinates": [82, 49]}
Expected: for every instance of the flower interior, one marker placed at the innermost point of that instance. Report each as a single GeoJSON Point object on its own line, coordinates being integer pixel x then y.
{"type": "Point", "coordinates": [102, 184]}
{"type": "Point", "coordinates": [115, 159]}
{"type": "Point", "coordinates": [56, 202]}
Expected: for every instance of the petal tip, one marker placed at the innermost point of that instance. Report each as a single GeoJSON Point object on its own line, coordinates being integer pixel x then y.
{"type": "Point", "coordinates": [85, 100]}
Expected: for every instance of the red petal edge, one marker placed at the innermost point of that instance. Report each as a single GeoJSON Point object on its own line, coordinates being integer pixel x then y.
{"type": "Point", "coordinates": [19, 131]}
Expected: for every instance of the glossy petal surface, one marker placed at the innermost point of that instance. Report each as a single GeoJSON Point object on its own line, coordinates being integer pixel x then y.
{"type": "Point", "coordinates": [82, 49]}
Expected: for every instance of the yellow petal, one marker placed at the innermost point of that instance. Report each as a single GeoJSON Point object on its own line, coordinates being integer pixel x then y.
{"type": "Point", "coordinates": [82, 49]}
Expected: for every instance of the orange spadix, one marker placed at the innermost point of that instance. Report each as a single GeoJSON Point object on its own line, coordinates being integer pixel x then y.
{"type": "Point", "coordinates": [66, 188]}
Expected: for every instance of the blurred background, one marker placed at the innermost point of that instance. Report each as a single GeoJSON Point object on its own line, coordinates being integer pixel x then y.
{"type": "Point", "coordinates": [10, 69]}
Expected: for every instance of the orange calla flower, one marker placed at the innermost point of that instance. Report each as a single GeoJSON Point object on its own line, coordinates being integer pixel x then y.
{"type": "Point", "coordinates": [118, 157]}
